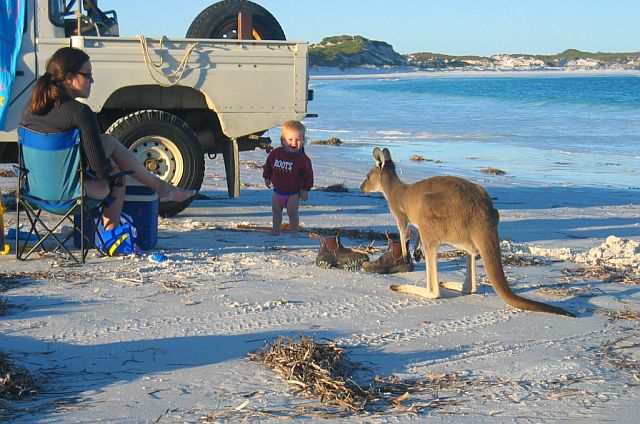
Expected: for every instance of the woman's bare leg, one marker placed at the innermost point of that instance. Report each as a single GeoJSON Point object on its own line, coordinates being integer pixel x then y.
{"type": "Point", "coordinates": [99, 189]}
{"type": "Point", "coordinates": [111, 214]}
{"type": "Point", "coordinates": [126, 161]}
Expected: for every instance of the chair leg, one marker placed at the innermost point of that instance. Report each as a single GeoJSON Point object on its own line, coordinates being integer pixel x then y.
{"type": "Point", "coordinates": [61, 244]}
{"type": "Point", "coordinates": [35, 220]}
{"type": "Point", "coordinates": [88, 218]}
{"type": "Point", "coordinates": [34, 217]}
{"type": "Point", "coordinates": [95, 215]}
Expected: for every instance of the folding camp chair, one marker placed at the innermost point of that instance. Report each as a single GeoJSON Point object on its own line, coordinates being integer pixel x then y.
{"type": "Point", "coordinates": [51, 179]}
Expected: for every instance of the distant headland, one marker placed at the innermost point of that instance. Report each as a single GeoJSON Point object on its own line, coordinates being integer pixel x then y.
{"type": "Point", "coordinates": [357, 52]}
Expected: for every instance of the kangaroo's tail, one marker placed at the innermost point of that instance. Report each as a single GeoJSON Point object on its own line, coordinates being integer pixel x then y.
{"type": "Point", "coordinates": [492, 261]}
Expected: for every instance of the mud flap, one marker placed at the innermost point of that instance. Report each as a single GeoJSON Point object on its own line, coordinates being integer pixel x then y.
{"type": "Point", "coordinates": [231, 157]}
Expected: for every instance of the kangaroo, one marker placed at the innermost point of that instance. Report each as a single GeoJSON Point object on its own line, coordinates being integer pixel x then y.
{"type": "Point", "coordinates": [447, 210]}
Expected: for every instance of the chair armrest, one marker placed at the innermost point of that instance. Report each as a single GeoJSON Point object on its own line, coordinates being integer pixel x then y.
{"type": "Point", "coordinates": [113, 180]}
{"type": "Point", "coordinates": [116, 180]}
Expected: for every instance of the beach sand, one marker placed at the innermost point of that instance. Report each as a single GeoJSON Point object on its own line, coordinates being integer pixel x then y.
{"type": "Point", "coordinates": [130, 340]}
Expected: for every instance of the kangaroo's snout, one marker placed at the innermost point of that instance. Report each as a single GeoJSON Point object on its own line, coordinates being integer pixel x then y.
{"type": "Point", "coordinates": [363, 186]}
{"type": "Point", "coordinates": [371, 183]}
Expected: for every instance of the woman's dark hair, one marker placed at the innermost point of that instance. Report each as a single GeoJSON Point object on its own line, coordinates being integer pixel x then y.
{"type": "Point", "coordinates": [49, 89]}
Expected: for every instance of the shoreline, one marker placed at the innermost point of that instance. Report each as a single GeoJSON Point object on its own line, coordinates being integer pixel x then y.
{"type": "Point", "coordinates": [357, 73]}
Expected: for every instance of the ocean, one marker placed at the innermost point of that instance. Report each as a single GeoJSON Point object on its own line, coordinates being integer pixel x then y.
{"type": "Point", "coordinates": [541, 130]}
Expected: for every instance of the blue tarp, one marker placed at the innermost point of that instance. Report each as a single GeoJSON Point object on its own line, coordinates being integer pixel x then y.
{"type": "Point", "coordinates": [12, 13]}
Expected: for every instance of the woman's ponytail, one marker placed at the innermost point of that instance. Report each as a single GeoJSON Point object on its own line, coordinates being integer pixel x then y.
{"type": "Point", "coordinates": [49, 89]}
{"type": "Point", "coordinates": [46, 93]}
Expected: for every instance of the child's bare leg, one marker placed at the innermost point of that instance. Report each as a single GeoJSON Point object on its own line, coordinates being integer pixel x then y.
{"type": "Point", "coordinates": [292, 210]}
{"type": "Point", "coordinates": [128, 162]}
{"type": "Point", "coordinates": [276, 209]}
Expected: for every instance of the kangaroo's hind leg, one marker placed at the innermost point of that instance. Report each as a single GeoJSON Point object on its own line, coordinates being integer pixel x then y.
{"type": "Point", "coordinates": [470, 285]}
{"type": "Point", "coordinates": [432, 289]}
{"type": "Point", "coordinates": [431, 259]}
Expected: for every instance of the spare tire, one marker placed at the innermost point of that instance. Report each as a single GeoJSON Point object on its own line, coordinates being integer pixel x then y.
{"type": "Point", "coordinates": [220, 20]}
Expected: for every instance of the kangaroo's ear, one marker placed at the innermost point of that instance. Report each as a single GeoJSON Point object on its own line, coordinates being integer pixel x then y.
{"type": "Point", "coordinates": [378, 156]}
{"type": "Point", "coordinates": [386, 154]}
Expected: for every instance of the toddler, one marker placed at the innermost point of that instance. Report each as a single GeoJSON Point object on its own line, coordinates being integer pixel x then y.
{"type": "Point", "coordinates": [288, 170]}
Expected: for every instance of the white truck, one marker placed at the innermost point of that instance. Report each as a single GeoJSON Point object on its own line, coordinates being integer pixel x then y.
{"type": "Point", "coordinates": [171, 101]}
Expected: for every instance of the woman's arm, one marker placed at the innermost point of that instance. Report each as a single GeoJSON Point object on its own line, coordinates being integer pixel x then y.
{"type": "Point", "coordinates": [95, 155]}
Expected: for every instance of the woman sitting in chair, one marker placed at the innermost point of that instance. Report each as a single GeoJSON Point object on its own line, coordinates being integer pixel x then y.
{"type": "Point", "coordinates": [53, 109]}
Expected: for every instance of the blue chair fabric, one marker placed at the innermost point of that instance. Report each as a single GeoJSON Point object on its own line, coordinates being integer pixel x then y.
{"type": "Point", "coordinates": [51, 179]}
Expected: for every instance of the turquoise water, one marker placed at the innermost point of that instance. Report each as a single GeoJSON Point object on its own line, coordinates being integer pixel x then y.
{"type": "Point", "coordinates": [547, 129]}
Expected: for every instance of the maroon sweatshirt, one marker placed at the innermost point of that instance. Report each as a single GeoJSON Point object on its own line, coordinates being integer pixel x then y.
{"type": "Point", "coordinates": [289, 172]}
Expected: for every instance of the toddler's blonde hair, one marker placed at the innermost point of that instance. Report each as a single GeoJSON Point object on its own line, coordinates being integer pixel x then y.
{"type": "Point", "coordinates": [295, 125]}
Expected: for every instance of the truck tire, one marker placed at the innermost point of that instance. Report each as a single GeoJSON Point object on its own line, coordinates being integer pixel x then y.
{"type": "Point", "coordinates": [220, 20]}
{"type": "Point", "coordinates": [167, 147]}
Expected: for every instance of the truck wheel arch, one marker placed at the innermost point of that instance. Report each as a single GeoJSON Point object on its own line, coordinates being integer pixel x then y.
{"type": "Point", "coordinates": [138, 97]}
{"type": "Point", "coordinates": [167, 146]}
{"type": "Point", "coordinates": [193, 106]}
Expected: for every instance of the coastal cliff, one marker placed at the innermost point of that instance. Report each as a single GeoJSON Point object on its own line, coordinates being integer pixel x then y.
{"type": "Point", "coordinates": [347, 51]}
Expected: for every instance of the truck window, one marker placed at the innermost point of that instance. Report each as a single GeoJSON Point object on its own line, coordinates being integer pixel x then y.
{"type": "Point", "coordinates": [94, 21]}
{"type": "Point", "coordinates": [59, 9]}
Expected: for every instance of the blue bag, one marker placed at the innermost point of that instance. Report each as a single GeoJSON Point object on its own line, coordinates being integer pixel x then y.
{"type": "Point", "coordinates": [120, 240]}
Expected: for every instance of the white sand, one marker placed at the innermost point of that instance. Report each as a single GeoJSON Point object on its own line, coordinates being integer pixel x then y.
{"type": "Point", "coordinates": [129, 340]}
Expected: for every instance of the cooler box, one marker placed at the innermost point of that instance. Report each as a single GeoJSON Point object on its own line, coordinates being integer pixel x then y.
{"type": "Point", "coordinates": [141, 204]}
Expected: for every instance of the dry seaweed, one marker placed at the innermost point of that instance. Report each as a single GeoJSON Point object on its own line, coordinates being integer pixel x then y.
{"type": "Point", "coordinates": [615, 355]}
{"type": "Point", "coordinates": [564, 291]}
{"type": "Point", "coordinates": [511, 259]}
{"type": "Point", "coordinates": [9, 280]}
{"type": "Point", "coordinates": [317, 369]}
{"type": "Point", "coordinates": [419, 158]}
{"type": "Point", "coordinates": [7, 173]}
{"type": "Point", "coordinates": [492, 171]}
{"type": "Point", "coordinates": [451, 254]}
{"type": "Point", "coordinates": [15, 382]}
{"type": "Point", "coordinates": [333, 141]}
{"type": "Point", "coordinates": [337, 188]}
{"type": "Point", "coordinates": [603, 273]}
{"type": "Point", "coordinates": [322, 371]}
{"type": "Point", "coordinates": [616, 315]}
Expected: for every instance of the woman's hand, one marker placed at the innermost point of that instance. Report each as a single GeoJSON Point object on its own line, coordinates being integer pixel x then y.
{"type": "Point", "coordinates": [267, 182]}
{"type": "Point", "coordinates": [304, 195]}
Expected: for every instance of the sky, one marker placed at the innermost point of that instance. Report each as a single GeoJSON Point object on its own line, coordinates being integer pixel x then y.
{"type": "Point", "coordinates": [455, 27]}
